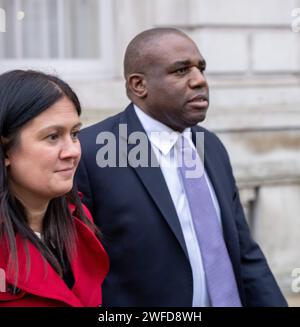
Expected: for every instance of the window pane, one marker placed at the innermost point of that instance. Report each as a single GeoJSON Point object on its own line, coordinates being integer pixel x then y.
{"type": "Point", "coordinates": [32, 29]}
{"type": "Point", "coordinates": [51, 29]}
{"type": "Point", "coordinates": [8, 39]}
{"type": "Point", "coordinates": [82, 29]}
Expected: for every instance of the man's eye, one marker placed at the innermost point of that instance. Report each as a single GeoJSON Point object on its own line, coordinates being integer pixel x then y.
{"type": "Point", "coordinates": [182, 70]}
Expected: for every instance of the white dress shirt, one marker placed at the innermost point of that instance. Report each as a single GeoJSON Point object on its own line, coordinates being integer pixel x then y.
{"type": "Point", "coordinates": [163, 140]}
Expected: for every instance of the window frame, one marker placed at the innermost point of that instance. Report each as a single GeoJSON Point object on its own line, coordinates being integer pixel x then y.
{"type": "Point", "coordinates": [95, 68]}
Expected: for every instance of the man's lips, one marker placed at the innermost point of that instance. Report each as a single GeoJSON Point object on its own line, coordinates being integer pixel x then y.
{"type": "Point", "coordinates": [199, 98]}
{"type": "Point", "coordinates": [200, 101]}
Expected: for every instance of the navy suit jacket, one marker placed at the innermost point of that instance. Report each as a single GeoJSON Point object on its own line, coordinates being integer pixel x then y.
{"type": "Point", "coordinates": [149, 264]}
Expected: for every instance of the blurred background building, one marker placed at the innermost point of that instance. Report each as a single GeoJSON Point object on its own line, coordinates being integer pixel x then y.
{"type": "Point", "coordinates": [252, 49]}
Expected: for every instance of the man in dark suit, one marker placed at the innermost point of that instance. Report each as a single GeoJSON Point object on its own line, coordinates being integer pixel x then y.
{"type": "Point", "coordinates": [143, 205]}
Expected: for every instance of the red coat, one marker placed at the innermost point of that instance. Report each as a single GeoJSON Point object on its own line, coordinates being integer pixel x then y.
{"type": "Point", "coordinates": [89, 268]}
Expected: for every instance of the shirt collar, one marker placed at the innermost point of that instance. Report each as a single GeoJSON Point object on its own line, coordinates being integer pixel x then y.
{"type": "Point", "coordinates": [160, 135]}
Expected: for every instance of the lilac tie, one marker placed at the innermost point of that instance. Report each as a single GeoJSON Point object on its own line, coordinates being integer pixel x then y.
{"type": "Point", "coordinates": [220, 279]}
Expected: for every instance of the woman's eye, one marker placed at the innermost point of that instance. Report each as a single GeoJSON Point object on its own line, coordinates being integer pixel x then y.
{"type": "Point", "coordinates": [52, 137]}
{"type": "Point", "coordinates": [75, 135]}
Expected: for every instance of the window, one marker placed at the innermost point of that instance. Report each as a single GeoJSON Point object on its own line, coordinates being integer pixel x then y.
{"type": "Point", "coordinates": [65, 36]}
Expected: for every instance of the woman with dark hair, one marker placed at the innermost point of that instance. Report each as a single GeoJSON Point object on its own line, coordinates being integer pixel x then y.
{"type": "Point", "coordinates": [50, 249]}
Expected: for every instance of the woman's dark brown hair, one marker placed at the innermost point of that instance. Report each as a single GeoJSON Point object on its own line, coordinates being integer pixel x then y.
{"type": "Point", "coordinates": [23, 96]}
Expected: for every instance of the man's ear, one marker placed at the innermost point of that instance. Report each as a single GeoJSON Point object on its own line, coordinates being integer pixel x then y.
{"type": "Point", "coordinates": [136, 83]}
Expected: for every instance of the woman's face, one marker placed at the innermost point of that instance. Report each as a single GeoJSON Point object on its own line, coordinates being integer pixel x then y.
{"type": "Point", "coordinates": [44, 160]}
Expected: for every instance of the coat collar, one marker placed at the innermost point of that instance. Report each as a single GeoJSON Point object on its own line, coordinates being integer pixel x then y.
{"type": "Point", "coordinates": [89, 266]}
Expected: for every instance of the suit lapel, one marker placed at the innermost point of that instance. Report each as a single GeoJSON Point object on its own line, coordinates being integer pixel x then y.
{"type": "Point", "coordinates": [153, 180]}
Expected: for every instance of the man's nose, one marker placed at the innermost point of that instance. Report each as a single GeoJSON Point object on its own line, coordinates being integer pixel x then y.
{"type": "Point", "coordinates": [197, 78]}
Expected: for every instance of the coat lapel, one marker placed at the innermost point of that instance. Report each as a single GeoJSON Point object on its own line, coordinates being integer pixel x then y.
{"type": "Point", "coordinates": [152, 178]}
{"type": "Point", "coordinates": [89, 267]}
{"type": "Point", "coordinates": [41, 280]}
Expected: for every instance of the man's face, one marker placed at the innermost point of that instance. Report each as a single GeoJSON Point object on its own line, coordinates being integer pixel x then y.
{"type": "Point", "coordinates": [176, 89]}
